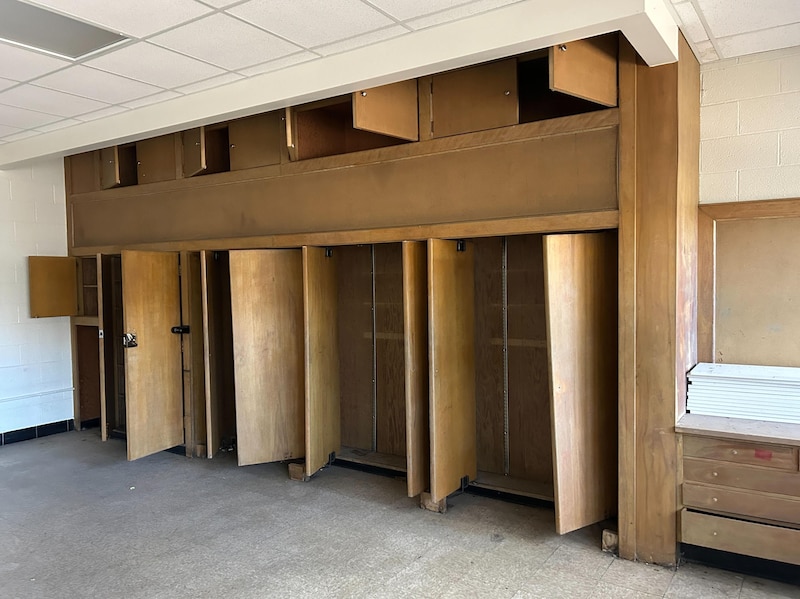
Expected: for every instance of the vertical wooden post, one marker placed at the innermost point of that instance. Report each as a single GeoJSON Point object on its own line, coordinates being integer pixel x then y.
{"type": "Point", "coordinates": [658, 195]}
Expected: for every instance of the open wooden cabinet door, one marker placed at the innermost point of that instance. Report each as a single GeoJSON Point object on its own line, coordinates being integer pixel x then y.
{"type": "Point", "coordinates": [415, 319]}
{"type": "Point", "coordinates": [153, 370]}
{"type": "Point", "coordinates": [451, 338]}
{"type": "Point", "coordinates": [267, 317]}
{"type": "Point", "coordinates": [323, 424]}
{"type": "Point", "coordinates": [581, 303]}
{"type": "Point", "coordinates": [389, 109]}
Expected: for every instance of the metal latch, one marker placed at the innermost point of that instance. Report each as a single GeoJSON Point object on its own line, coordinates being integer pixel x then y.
{"type": "Point", "coordinates": [129, 340]}
{"type": "Point", "coordinates": [181, 329]}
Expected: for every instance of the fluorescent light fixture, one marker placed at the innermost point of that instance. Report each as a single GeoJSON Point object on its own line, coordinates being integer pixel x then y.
{"type": "Point", "coordinates": [39, 29]}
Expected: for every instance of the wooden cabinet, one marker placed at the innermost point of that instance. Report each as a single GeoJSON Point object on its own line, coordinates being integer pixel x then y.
{"type": "Point", "coordinates": [737, 491]}
{"type": "Point", "coordinates": [255, 141]}
{"type": "Point", "coordinates": [571, 78]}
{"type": "Point", "coordinates": [522, 334]}
{"type": "Point", "coordinates": [205, 150]}
{"type": "Point", "coordinates": [155, 159]}
{"type": "Point", "coordinates": [118, 166]}
{"type": "Point", "coordinates": [83, 172]}
{"type": "Point", "coordinates": [364, 120]}
{"type": "Point", "coordinates": [53, 286]}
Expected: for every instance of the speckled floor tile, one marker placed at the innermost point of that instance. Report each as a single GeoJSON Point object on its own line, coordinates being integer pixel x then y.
{"type": "Point", "coordinates": [639, 577]}
{"type": "Point", "coordinates": [692, 581]}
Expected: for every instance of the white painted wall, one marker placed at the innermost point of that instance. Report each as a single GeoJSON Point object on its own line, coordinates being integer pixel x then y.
{"type": "Point", "coordinates": [750, 128]}
{"type": "Point", "coordinates": [35, 353]}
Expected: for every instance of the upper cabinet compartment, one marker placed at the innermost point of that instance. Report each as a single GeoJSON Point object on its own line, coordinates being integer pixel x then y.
{"type": "Point", "coordinates": [255, 141]}
{"type": "Point", "coordinates": [564, 80]}
{"type": "Point", "coordinates": [365, 120]}
{"type": "Point", "coordinates": [205, 150]}
{"type": "Point", "coordinates": [155, 159]}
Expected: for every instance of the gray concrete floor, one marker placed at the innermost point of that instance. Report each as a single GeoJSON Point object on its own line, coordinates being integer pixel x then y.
{"type": "Point", "coordinates": [77, 520]}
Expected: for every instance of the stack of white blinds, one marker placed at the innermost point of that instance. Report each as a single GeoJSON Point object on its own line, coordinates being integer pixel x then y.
{"type": "Point", "coordinates": [769, 393]}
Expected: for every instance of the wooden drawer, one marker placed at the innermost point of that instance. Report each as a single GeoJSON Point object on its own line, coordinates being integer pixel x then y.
{"type": "Point", "coordinates": [726, 474]}
{"type": "Point", "coordinates": [746, 538]}
{"type": "Point", "coordinates": [780, 508]}
{"type": "Point", "coordinates": [741, 452]}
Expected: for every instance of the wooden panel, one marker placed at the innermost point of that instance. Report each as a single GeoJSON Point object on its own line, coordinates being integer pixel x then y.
{"type": "Point", "coordinates": [736, 536]}
{"type": "Point", "coordinates": [194, 151]}
{"type": "Point", "coordinates": [266, 311]}
{"type": "Point", "coordinates": [581, 295]}
{"type": "Point", "coordinates": [784, 208]}
{"type": "Point", "coordinates": [756, 302]}
{"type": "Point", "coordinates": [530, 443]}
{"type": "Point", "coordinates": [741, 452]}
{"type": "Point", "coordinates": [323, 433]}
{"type": "Point", "coordinates": [390, 350]}
{"type": "Point", "coordinates": [255, 141]}
{"type": "Point", "coordinates": [566, 173]}
{"type": "Point", "coordinates": [53, 286]}
{"type": "Point", "coordinates": [451, 338]}
{"type": "Point", "coordinates": [489, 351]}
{"type": "Point", "coordinates": [88, 363]}
{"type": "Point", "coordinates": [106, 343]}
{"type": "Point", "coordinates": [354, 288]}
{"type": "Point", "coordinates": [153, 378]}
{"type": "Point", "coordinates": [415, 327]}
{"type": "Point", "coordinates": [194, 364]}
{"type": "Point", "coordinates": [109, 167]}
{"type": "Point", "coordinates": [779, 508]}
{"type": "Point", "coordinates": [755, 431]}
{"type": "Point", "coordinates": [586, 69]}
{"type": "Point", "coordinates": [712, 472]}
{"type": "Point", "coordinates": [706, 296]}
{"type": "Point", "coordinates": [155, 159]}
{"type": "Point", "coordinates": [477, 98]}
{"type": "Point", "coordinates": [83, 172]}
{"type": "Point", "coordinates": [389, 110]}
{"type": "Point", "coordinates": [218, 340]}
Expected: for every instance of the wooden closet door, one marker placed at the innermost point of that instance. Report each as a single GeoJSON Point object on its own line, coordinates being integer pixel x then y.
{"type": "Point", "coordinates": [323, 425]}
{"type": "Point", "coordinates": [581, 303]}
{"type": "Point", "coordinates": [415, 319]}
{"type": "Point", "coordinates": [267, 317]}
{"type": "Point", "coordinates": [153, 371]}
{"type": "Point", "coordinates": [451, 338]}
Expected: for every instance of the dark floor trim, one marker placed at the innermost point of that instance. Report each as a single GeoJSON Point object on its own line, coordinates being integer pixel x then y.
{"type": "Point", "coordinates": [91, 423]}
{"type": "Point", "coordinates": [35, 432]}
{"type": "Point", "coordinates": [742, 564]}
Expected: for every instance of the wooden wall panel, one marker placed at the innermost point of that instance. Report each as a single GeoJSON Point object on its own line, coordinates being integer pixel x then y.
{"type": "Point", "coordinates": [565, 173]}
{"type": "Point", "coordinates": [415, 317]}
{"type": "Point", "coordinates": [193, 355]}
{"type": "Point", "coordinates": [489, 352]}
{"type": "Point", "coordinates": [390, 349]}
{"type": "Point", "coordinates": [88, 363]}
{"type": "Point", "coordinates": [451, 338]}
{"type": "Point", "coordinates": [757, 292]}
{"type": "Point", "coordinates": [266, 310]}
{"type": "Point", "coordinates": [323, 419]}
{"type": "Point", "coordinates": [354, 288]}
{"type": "Point", "coordinates": [530, 445]}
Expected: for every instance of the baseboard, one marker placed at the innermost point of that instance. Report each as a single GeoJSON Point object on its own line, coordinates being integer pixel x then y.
{"type": "Point", "coordinates": [742, 564]}
{"type": "Point", "coordinates": [36, 432]}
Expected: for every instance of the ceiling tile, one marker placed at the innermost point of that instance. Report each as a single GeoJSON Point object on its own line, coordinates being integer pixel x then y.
{"type": "Point", "coordinates": [691, 24]}
{"type": "Point", "coordinates": [24, 119]}
{"type": "Point", "coordinates": [209, 83]}
{"type": "Point", "coordinates": [281, 63]}
{"type": "Point", "coordinates": [137, 18]}
{"type": "Point", "coordinates": [409, 9]}
{"type": "Point", "coordinates": [58, 125]}
{"type": "Point", "coordinates": [98, 85]}
{"type": "Point", "coordinates": [459, 12]}
{"type": "Point", "coordinates": [6, 83]}
{"type": "Point", "coordinates": [226, 42]}
{"type": "Point", "coordinates": [6, 130]}
{"type": "Point", "coordinates": [220, 3]}
{"type": "Point", "coordinates": [155, 65]}
{"type": "Point", "coordinates": [100, 114]}
{"type": "Point", "coordinates": [49, 101]}
{"type": "Point", "coordinates": [154, 99]}
{"type": "Point", "coordinates": [332, 20]}
{"type": "Point", "coordinates": [725, 18]}
{"type": "Point", "coordinates": [21, 135]}
{"type": "Point", "coordinates": [706, 52]}
{"type": "Point", "coordinates": [361, 40]}
{"type": "Point", "coordinates": [20, 64]}
{"type": "Point", "coordinates": [759, 41]}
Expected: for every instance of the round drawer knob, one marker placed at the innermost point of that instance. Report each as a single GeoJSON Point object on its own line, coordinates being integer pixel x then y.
{"type": "Point", "coordinates": [714, 533]}
{"type": "Point", "coordinates": [734, 452]}
{"type": "Point", "coordinates": [714, 499]}
{"type": "Point", "coordinates": [714, 474]}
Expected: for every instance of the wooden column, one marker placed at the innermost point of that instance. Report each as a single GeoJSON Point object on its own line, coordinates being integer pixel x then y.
{"type": "Point", "coordinates": [658, 196]}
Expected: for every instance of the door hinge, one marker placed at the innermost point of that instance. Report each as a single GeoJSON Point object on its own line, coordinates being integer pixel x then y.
{"type": "Point", "coordinates": [328, 252]}
{"type": "Point", "coordinates": [182, 329]}
{"type": "Point", "coordinates": [461, 245]}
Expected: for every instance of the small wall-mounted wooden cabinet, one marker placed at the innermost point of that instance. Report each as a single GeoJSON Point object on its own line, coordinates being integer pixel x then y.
{"type": "Point", "coordinates": [364, 120]}
{"type": "Point", "coordinates": [742, 497]}
{"type": "Point", "coordinates": [567, 79]}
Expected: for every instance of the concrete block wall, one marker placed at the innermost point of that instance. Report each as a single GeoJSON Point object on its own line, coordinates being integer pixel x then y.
{"type": "Point", "coordinates": [750, 128]}
{"type": "Point", "coordinates": [35, 353]}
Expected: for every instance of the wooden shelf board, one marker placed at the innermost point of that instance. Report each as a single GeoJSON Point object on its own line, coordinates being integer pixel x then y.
{"type": "Point", "coordinates": [740, 429]}
{"type": "Point", "coordinates": [372, 458]}
{"type": "Point", "coordinates": [516, 486]}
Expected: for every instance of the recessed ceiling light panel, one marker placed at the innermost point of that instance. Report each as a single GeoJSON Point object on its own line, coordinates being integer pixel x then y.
{"type": "Point", "coordinates": [33, 27]}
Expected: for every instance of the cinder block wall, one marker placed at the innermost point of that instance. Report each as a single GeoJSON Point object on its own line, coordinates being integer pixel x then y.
{"type": "Point", "coordinates": [750, 128]}
{"type": "Point", "coordinates": [35, 354]}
